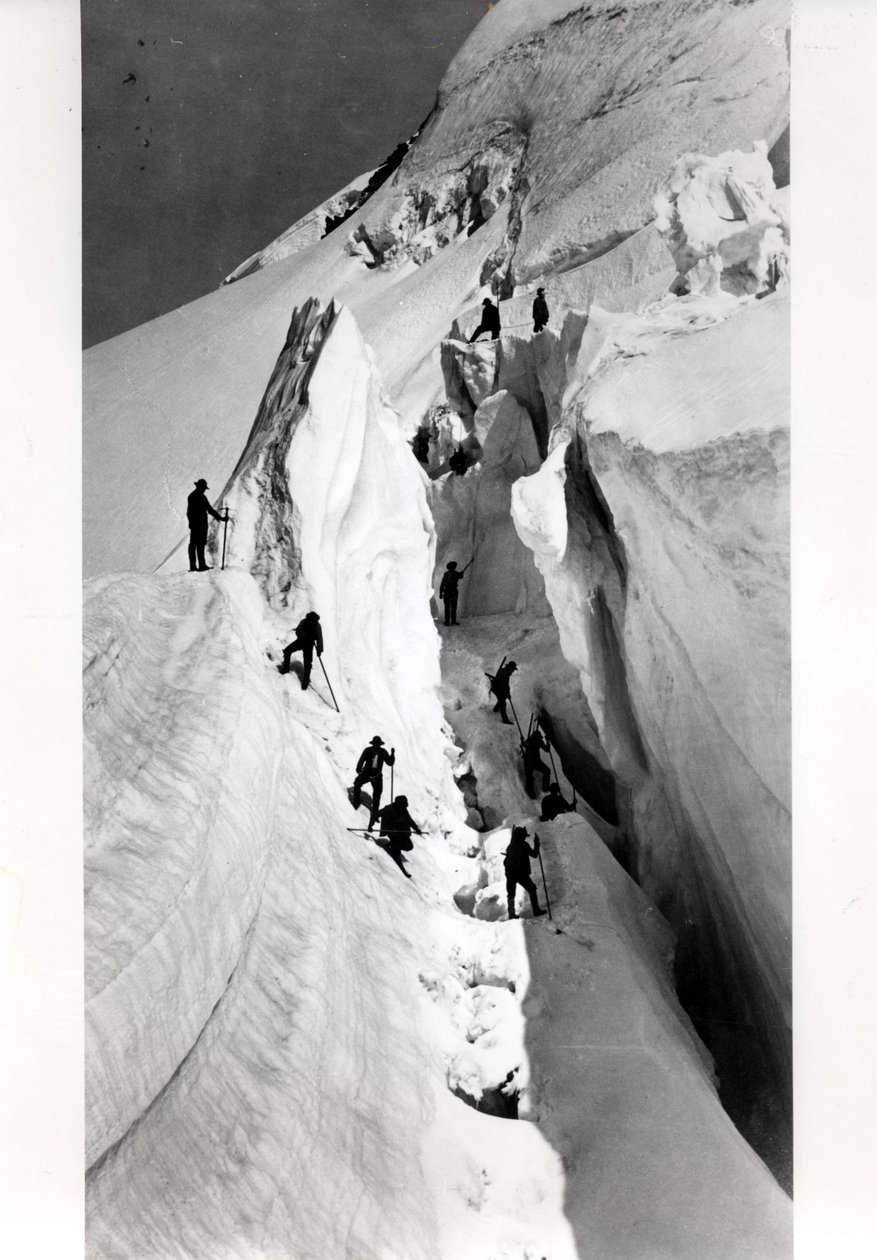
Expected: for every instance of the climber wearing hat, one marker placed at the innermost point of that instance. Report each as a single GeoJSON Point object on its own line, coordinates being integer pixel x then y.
{"type": "Point", "coordinates": [308, 635]}
{"type": "Point", "coordinates": [397, 826]}
{"type": "Point", "coordinates": [196, 512]}
{"type": "Point", "coordinates": [500, 686]}
{"type": "Point", "coordinates": [449, 591]}
{"type": "Point", "coordinates": [540, 311]}
{"type": "Point", "coordinates": [489, 321]}
{"type": "Point", "coordinates": [369, 769]}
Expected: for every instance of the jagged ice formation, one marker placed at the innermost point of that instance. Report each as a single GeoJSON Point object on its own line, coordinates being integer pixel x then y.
{"type": "Point", "coordinates": [292, 1049]}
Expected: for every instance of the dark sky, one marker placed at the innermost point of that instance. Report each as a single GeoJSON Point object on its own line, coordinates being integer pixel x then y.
{"type": "Point", "coordinates": [241, 116]}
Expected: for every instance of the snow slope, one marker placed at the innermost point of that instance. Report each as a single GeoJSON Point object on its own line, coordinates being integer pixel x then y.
{"type": "Point", "coordinates": [293, 1049]}
{"type": "Point", "coordinates": [557, 180]}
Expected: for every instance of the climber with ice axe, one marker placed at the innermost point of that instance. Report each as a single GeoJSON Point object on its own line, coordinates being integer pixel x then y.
{"type": "Point", "coordinates": [369, 769]}
{"type": "Point", "coordinates": [553, 803]}
{"type": "Point", "coordinates": [500, 686]}
{"type": "Point", "coordinates": [517, 871]}
{"type": "Point", "coordinates": [449, 589]}
{"type": "Point", "coordinates": [531, 747]}
{"type": "Point", "coordinates": [197, 510]}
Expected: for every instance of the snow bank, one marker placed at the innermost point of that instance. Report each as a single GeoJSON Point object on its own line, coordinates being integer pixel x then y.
{"type": "Point", "coordinates": [265, 1074]}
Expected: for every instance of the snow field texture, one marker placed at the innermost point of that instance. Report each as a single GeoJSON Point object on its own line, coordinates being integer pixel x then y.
{"type": "Point", "coordinates": [293, 1049]}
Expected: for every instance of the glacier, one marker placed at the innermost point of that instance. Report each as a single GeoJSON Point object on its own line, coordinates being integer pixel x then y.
{"type": "Point", "coordinates": [292, 1050]}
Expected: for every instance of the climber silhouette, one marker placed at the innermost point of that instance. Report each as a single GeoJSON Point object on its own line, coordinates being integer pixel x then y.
{"type": "Point", "coordinates": [554, 804]}
{"type": "Point", "coordinates": [458, 462]}
{"type": "Point", "coordinates": [489, 321]}
{"type": "Point", "coordinates": [448, 591]}
{"type": "Point", "coordinates": [517, 870]}
{"type": "Point", "coordinates": [397, 826]}
{"type": "Point", "coordinates": [534, 744]}
{"type": "Point", "coordinates": [369, 769]}
{"type": "Point", "coordinates": [500, 687]}
{"type": "Point", "coordinates": [420, 446]}
{"type": "Point", "coordinates": [197, 509]}
{"type": "Point", "coordinates": [540, 311]}
{"type": "Point", "coordinates": [308, 635]}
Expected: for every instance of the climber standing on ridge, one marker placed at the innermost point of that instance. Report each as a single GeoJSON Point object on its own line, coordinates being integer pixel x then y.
{"type": "Point", "coordinates": [197, 509]}
{"type": "Point", "coordinates": [517, 870]}
{"type": "Point", "coordinates": [397, 826]}
{"type": "Point", "coordinates": [448, 591]}
{"type": "Point", "coordinates": [489, 321]}
{"type": "Point", "coordinates": [533, 745]}
{"type": "Point", "coordinates": [500, 687]}
{"type": "Point", "coordinates": [540, 311]}
{"type": "Point", "coordinates": [554, 804]}
{"type": "Point", "coordinates": [369, 769]}
{"type": "Point", "coordinates": [308, 635]}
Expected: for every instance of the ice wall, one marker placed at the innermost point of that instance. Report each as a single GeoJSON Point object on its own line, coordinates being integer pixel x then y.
{"type": "Point", "coordinates": [660, 525]}
{"type": "Point", "coordinates": [237, 963]}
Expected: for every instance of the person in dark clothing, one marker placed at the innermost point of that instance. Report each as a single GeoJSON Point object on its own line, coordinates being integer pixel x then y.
{"type": "Point", "coordinates": [397, 826]}
{"type": "Point", "coordinates": [420, 446]}
{"type": "Point", "coordinates": [369, 769]}
{"type": "Point", "coordinates": [197, 510]}
{"type": "Point", "coordinates": [308, 635]}
{"type": "Point", "coordinates": [449, 591]}
{"type": "Point", "coordinates": [540, 311]}
{"type": "Point", "coordinates": [500, 687]}
{"type": "Point", "coordinates": [554, 804]}
{"type": "Point", "coordinates": [517, 870]}
{"type": "Point", "coordinates": [458, 463]}
{"type": "Point", "coordinates": [489, 321]}
{"type": "Point", "coordinates": [534, 744]}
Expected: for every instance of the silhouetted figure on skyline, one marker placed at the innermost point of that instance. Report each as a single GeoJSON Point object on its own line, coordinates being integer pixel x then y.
{"type": "Point", "coordinates": [517, 870]}
{"type": "Point", "coordinates": [308, 635]}
{"type": "Point", "coordinates": [449, 591]}
{"type": "Point", "coordinates": [534, 744]}
{"type": "Point", "coordinates": [397, 826]}
{"type": "Point", "coordinates": [500, 687]}
{"type": "Point", "coordinates": [554, 804]}
{"type": "Point", "coordinates": [540, 311]}
{"type": "Point", "coordinates": [369, 769]}
{"type": "Point", "coordinates": [197, 510]}
{"type": "Point", "coordinates": [489, 321]}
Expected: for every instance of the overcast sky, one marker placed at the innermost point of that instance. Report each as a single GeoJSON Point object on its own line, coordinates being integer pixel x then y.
{"type": "Point", "coordinates": [209, 126]}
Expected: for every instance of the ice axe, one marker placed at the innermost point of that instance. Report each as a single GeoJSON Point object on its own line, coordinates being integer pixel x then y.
{"type": "Point", "coordinates": [544, 885]}
{"type": "Point", "coordinates": [515, 716]}
{"type": "Point", "coordinates": [392, 768]}
{"type": "Point", "coordinates": [328, 684]}
{"type": "Point", "coordinates": [553, 766]}
{"type": "Point", "coordinates": [224, 536]}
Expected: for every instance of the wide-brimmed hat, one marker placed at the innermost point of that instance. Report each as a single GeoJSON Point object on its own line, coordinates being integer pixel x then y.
{"type": "Point", "coordinates": [377, 740]}
{"type": "Point", "coordinates": [201, 484]}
